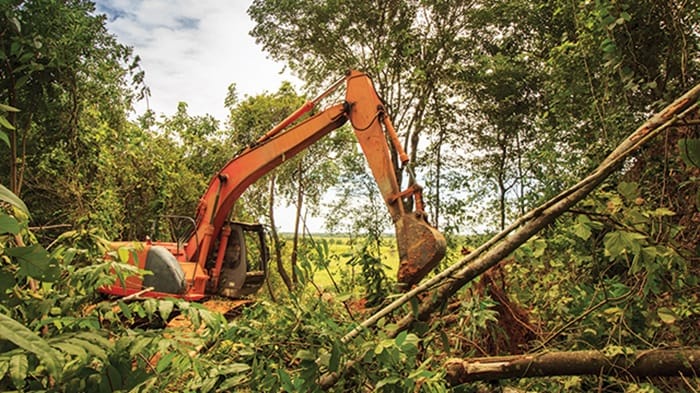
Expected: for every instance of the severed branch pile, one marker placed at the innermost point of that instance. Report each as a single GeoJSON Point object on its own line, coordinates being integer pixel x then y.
{"type": "Point", "coordinates": [450, 280]}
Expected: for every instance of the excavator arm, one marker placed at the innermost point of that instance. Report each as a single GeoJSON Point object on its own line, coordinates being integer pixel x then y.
{"type": "Point", "coordinates": [420, 246]}
{"type": "Point", "coordinates": [209, 261]}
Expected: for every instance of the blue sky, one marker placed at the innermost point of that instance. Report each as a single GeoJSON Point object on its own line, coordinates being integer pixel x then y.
{"type": "Point", "coordinates": [192, 50]}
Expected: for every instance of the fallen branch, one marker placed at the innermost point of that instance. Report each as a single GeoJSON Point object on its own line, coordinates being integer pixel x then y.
{"type": "Point", "coordinates": [136, 295]}
{"type": "Point", "coordinates": [494, 250]}
{"type": "Point", "coordinates": [650, 363]}
{"type": "Point", "coordinates": [48, 227]}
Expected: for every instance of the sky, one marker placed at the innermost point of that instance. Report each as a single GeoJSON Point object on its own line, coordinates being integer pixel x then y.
{"type": "Point", "coordinates": [191, 51]}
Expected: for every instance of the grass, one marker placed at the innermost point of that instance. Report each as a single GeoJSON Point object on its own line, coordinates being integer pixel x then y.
{"type": "Point", "coordinates": [339, 253]}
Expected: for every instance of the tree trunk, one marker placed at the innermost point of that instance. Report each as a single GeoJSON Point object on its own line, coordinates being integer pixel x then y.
{"type": "Point", "coordinates": [14, 180]}
{"type": "Point", "coordinates": [438, 173]}
{"type": "Point", "coordinates": [276, 239]}
{"type": "Point", "coordinates": [501, 180]}
{"type": "Point", "coordinates": [650, 363]}
{"type": "Point", "coordinates": [297, 221]}
{"type": "Point", "coordinates": [13, 134]}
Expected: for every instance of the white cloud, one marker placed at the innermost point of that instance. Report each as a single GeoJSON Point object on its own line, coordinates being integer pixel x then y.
{"type": "Point", "coordinates": [191, 50]}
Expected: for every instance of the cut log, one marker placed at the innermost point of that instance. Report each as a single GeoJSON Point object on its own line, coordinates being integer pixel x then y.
{"type": "Point", "coordinates": [649, 363]}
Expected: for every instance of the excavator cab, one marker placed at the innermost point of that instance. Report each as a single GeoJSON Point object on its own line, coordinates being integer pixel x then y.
{"type": "Point", "coordinates": [244, 266]}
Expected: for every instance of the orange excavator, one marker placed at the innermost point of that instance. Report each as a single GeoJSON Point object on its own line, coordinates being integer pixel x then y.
{"type": "Point", "coordinates": [230, 259]}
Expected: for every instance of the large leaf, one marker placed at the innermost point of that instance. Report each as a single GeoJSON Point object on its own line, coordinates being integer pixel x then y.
{"type": "Point", "coordinates": [8, 224]}
{"type": "Point", "coordinates": [623, 242]}
{"type": "Point", "coordinates": [86, 346]}
{"type": "Point", "coordinates": [26, 339]}
{"type": "Point", "coordinates": [690, 151]}
{"type": "Point", "coordinates": [34, 261]}
{"type": "Point", "coordinates": [8, 196]}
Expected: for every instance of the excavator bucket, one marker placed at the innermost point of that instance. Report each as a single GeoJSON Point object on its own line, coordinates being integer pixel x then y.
{"type": "Point", "coordinates": [421, 248]}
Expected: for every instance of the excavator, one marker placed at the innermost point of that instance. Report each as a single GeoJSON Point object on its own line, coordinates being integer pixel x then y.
{"type": "Point", "coordinates": [219, 257]}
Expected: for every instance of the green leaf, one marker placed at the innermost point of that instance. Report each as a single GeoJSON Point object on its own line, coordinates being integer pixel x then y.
{"type": "Point", "coordinates": [387, 381]}
{"type": "Point", "coordinates": [304, 354]}
{"type": "Point", "coordinates": [165, 361]}
{"type": "Point", "coordinates": [614, 350]}
{"type": "Point", "coordinates": [73, 349]}
{"type": "Point", "coordinates": [234, 368]}
{"type": "Point", "coordinates": [285, 381]}
{"type": "Point", "coordinates": [623, 242]}
{"type": "Point", "coordinates": [165, 307]}
{"type": "Point", "coordinates": [8, 108]}
{"type": "Point", "coordinates": [666, 315]}
{"type": "Point", "coordinates": [690, 151]}
{"type": "Point", "coordinates": [16, 24]}
{"type": "Point", "coordinates": [230, 383]}
{"type": "Point", "coordinates": [4, 367]}
{"type": "Point", "coordinates": [19, 367]}
{"type": "Point", "coordinates": [149, 305]}
{"type": "Point", "coordinates": [411, 343]}
{"type": "Point", "coordinates": [26, 339]}
{"type": "Point", "coordinates": [662, 211]}
{"type": "Point", "coordinates": [614, 311]}
{"type": "Point", "coordinates": [400, 338]}
{"type": "Point", "coordinates": [8, 196]}
{"type": "Point", "coordinates": [7, 281]}
{"type": "Point", "coordinates": [115, 378]}
{"type": "Point", "coordinates": [539, 246]}
{"type": "Point", "coordinates": [124, 308]}
{"type": "Point", "coordinates": [34, 261]}
{"type": "Point", "coordinates": [5, 138]}
{"type": "Point", "coordinates": [581, 228]}
{"type": "Point", "coordinates": [96, 348]}
{"type": "Point", "coordinates": [124, 253]}
{"type": "Point", "coordinates": [334, 361]}
{"type": "Point", "coordinates": [5, 123]}
{"type": "Point", "coordinates": [629, 190]}
{"type": "Point", "coordinates": [8, 224]}
{"type": "Point", "coordinates": [415, 307]}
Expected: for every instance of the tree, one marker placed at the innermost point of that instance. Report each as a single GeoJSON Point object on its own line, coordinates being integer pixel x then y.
{"type": "Point", "coordinates": [409, 48]}
{"type": "Point", "coordinates": [158, 168]}
{"type": "Point", "coordinates": [69, 78]}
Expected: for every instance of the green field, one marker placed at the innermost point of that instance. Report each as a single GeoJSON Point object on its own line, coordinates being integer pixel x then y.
{"type": "Point", "coordinates": [340, 251]}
